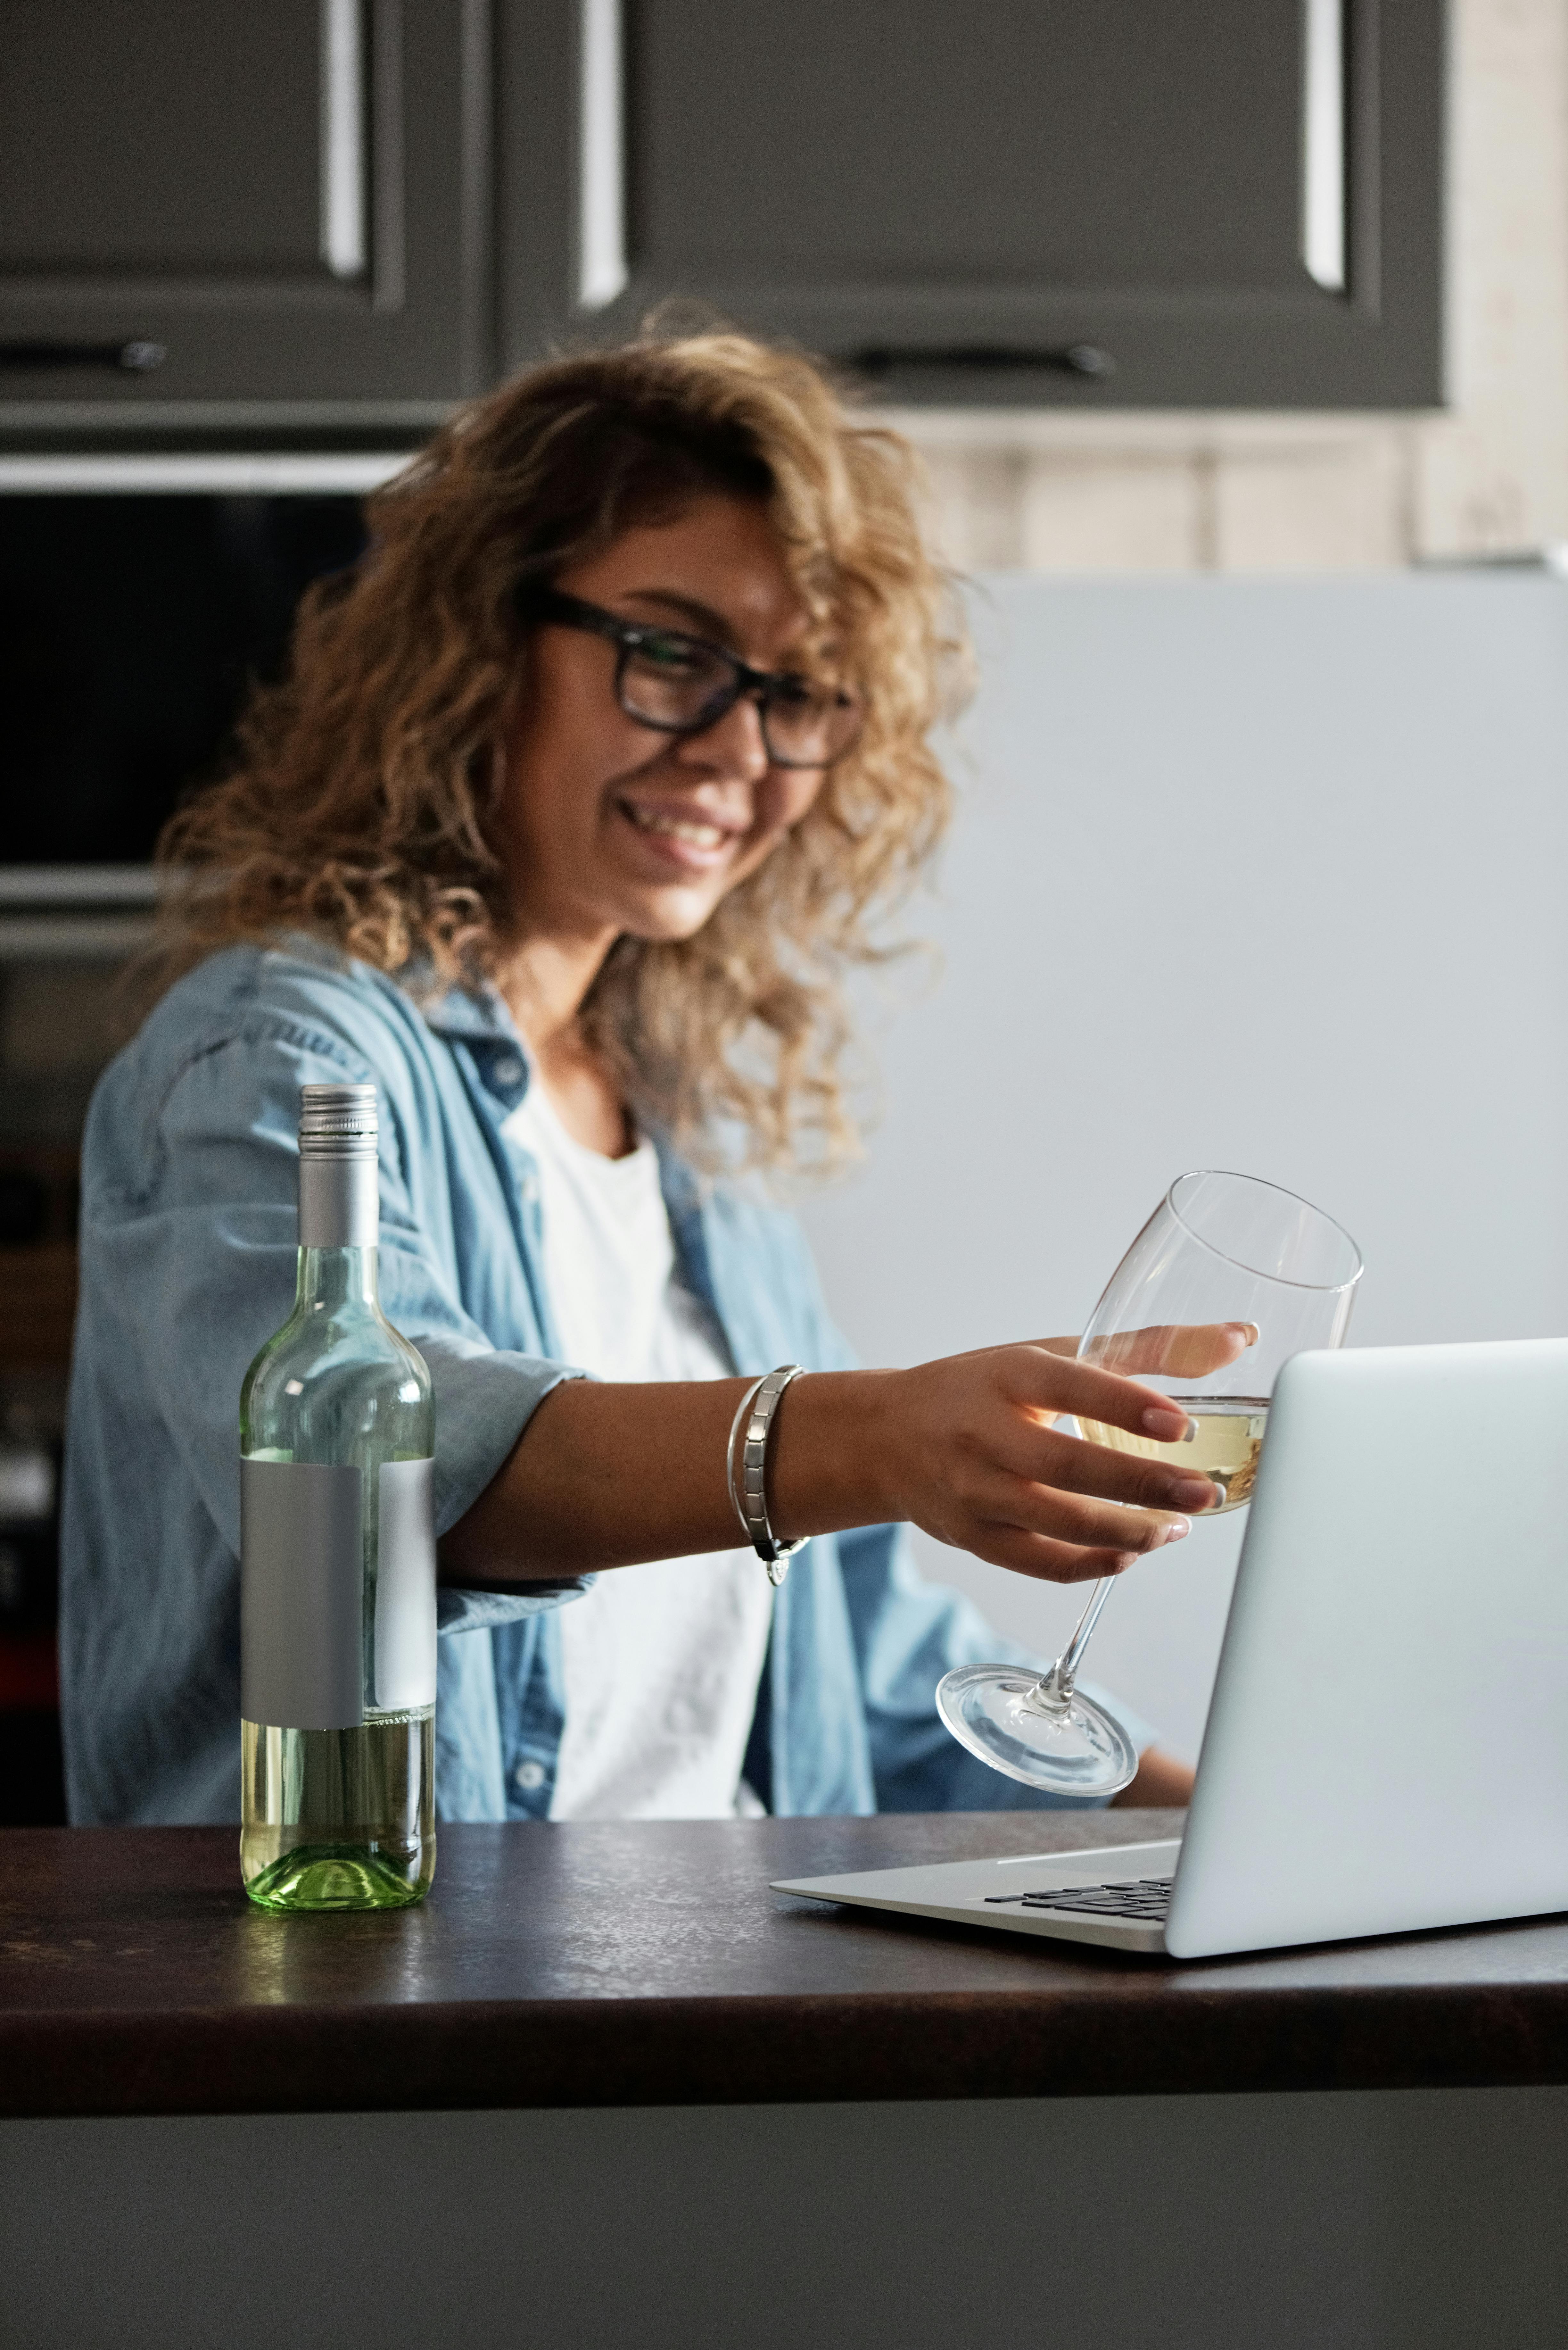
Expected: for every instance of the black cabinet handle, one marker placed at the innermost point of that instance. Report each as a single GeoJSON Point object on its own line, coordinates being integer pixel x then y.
{"type": "Point", "coordinates": [135, 357]}
{"type": "Point", "coordinates": [880, 359]}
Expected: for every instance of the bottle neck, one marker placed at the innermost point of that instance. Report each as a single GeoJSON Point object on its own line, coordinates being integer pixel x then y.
{"type": "Point", "coordinates": [339, 1198]}
{"type": "Point", "coordinates": [333, 1278]}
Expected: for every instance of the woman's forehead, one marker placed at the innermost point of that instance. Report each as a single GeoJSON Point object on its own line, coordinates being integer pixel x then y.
{"type": "Point", "coordinates": [715, 570]}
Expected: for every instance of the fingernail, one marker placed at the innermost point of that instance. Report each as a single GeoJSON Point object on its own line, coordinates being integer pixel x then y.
{"type": "Point", "coordinates": [1171, 1426]}
{"type": "Point", "coordinates": [1246, 1331]}
{"type": "Point", "coordinates": [1193, 1493]}
{"type": "Point", "coordinates": [1178, 1530]}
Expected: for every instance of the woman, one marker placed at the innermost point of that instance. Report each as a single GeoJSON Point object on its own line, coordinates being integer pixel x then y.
{"type": "Point", "coordinates": [579, 795]}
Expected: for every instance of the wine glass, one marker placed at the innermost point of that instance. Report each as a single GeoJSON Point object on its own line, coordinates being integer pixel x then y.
{"type": "Point", "coordinates": [1219, 1249]}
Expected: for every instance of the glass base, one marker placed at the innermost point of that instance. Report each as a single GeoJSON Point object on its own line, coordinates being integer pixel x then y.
{"type": "Point", "coordinates": [337, 1876]}
{"type": "Point", "coordinates": [1068, 1748]}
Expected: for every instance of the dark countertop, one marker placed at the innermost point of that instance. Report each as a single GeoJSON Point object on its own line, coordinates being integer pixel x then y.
{"type": "Point", "coordinates": [649, 1964]}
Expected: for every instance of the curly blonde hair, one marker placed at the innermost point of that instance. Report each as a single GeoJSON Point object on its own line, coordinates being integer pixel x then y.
{"type": "Point", "coordinates": [360, 803]}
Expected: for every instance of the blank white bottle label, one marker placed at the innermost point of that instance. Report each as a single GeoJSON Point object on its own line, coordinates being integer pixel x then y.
{"type": "Point", "coordinates": [406, 1586]}
{"type": "Point", "coordinates": [302, 1596]}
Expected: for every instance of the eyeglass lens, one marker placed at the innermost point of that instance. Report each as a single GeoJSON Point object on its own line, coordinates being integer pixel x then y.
{"type": "Point", "coordinates": [679, 684]}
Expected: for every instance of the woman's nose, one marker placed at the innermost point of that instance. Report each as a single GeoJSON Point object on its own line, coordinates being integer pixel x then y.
{"type": "Point", "coordinates": [733, 745]}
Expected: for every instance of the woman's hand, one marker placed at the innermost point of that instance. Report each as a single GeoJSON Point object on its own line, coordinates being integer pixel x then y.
{"type": "Point", "coordinates": [967, 1448]}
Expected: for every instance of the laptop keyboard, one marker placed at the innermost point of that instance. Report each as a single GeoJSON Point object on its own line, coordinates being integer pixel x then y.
{"type": "Point", "coordinates": [1145, 1898]}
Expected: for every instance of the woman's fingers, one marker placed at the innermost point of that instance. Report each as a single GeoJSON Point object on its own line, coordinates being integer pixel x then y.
{"type": "Point", "coordinates": [1085, 1516]}
{"type": "Point", "coordinates": [1083, 1521]}
{"type": "Point", "coordinates": [1181, 1350]}
{"type": "Point", "coordinates": [1043, 1382]}
{"type": "Point", "coordinates": [1046, 1560]}
{"type": "Point", "coordinates": [1075, 1465]}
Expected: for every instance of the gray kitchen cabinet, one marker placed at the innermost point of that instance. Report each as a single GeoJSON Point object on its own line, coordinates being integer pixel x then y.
{"type": "Point", "coordinates": [1133, 202]}
{"type": "Point", "coordinates": [265, 201]}
{"type": "Point", "coordinates": [314, 215]}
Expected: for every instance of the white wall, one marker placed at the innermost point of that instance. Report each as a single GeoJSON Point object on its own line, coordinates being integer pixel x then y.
{"type": "Point", "coordinates": [1266, 875]}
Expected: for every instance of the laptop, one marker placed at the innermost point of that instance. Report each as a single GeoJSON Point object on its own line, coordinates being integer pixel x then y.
{"type": "Point", "coordinates": [1386, 1748]}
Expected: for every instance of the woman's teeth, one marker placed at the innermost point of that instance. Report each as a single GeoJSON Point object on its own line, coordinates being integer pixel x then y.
{"type": "Point", "coordinates": [675, 827]}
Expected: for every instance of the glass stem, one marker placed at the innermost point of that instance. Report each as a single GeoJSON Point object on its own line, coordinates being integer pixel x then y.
{"type": "Point", "coordinates": [1056, 1688]}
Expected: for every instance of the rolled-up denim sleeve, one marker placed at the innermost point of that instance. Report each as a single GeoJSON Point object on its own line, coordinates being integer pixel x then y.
{"type": "Point", "coordinates": [203, 1263]}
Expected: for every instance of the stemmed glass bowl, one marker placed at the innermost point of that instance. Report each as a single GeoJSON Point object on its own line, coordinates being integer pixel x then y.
{"type": "Point", "coordinates": [1230, 1278]}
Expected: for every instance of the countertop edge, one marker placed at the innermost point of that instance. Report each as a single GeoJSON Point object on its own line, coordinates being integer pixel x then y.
{"type": "Point", "coordinates": [804, 2048]}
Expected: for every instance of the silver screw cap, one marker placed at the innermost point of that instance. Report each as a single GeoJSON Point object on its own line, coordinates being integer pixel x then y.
{"type": "Point", "coordinates": [337, 1122]}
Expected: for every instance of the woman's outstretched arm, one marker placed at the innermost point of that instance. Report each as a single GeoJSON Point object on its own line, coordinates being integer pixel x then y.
{"type": "Point", "coordinates": [608, 1475]}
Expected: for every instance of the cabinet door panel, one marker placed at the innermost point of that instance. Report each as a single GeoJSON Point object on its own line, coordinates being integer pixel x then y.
{"type": "Point", "coordinates": [180, 138]}
{"type": "Point", "coordinates": [289, 198]}
{"type": "Point", "coordinates": [1237, 199]}
{"type": "Point", "coordinates": [1029, 143]}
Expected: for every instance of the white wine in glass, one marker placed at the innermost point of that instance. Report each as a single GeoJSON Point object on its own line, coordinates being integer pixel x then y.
{"type": "Point", "coordinates": [1226, 1444]}
{"type": "Point", "coordinates": [1230, 1278]}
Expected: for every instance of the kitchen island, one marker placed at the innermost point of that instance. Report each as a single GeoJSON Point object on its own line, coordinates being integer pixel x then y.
{"type": "Point", "coordinates": [606, 2082]}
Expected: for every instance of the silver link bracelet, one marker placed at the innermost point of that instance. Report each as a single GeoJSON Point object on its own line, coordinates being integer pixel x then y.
{"type": "Point", "coordinates": [758, 1405]}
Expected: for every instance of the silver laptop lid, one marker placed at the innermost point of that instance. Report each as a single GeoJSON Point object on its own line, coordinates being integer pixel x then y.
{"type": "Point", "coordinates": [1387, 1746]}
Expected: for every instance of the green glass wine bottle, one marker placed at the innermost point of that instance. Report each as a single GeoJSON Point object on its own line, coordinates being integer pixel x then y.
{"type": "Point", "coordinates": [337, 1620]}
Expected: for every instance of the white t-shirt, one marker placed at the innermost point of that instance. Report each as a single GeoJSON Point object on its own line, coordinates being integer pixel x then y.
{"type": "Point", "coordinates": [662, 1661]}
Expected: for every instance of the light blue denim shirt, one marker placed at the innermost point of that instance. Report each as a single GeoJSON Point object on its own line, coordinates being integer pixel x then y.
{"type": "Point", "coordinates": [189, 1183]}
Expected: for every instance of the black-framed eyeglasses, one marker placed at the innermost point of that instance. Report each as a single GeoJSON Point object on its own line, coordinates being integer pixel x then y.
{"type": "Point", "coordinates": [683, 685]}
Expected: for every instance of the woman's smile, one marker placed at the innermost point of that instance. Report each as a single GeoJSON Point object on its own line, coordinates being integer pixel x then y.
{"type": "Point", "coordinates": [684, 838]}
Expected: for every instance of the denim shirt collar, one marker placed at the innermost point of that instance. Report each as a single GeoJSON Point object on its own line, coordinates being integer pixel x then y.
{"type": "Point", "coordinates": [480, 1019]}
{"type": "Point", "coordinates": [469, 1012]}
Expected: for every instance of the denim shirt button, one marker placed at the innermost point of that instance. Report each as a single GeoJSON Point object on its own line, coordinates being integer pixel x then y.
{"type": "Point", "coordinates": [508, 1072]}
{"type": "Point", "coordinates": [530, 1776]}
